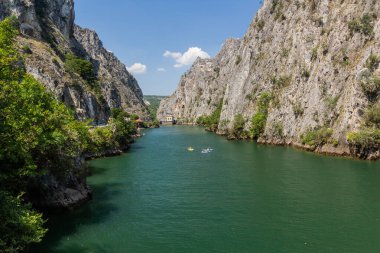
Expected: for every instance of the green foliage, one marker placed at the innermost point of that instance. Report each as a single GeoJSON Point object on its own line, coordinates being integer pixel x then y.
{"type": "Point", "coordinates": [153, 104]}
{"type": "Point", "coordinates": [238, 127]}
{"type": "Point", "coordinates": [367, 137]}
{"type": "Point", "coordinates": [20, 225]}
{"type": "Point", "coordinates": [371, 86]}
{"type": "Point", "coordinates": [260, 118]}
{"type": "Point", "coordinates": [134, 117]}
{"type": "Point", "coordinates": [102, 138]}
{"type": "Point", "coordinates": [372, 63]}
{"type": "Point", "coordinates": [282, 81]}
{"type": "Point", "coordinates": [278, 130]}
{"type": "Point", "coordinates": [331, 102]}
{"type": "Point", "coordinates": [277, 9]}
{"type": "Point", "coordinates": [298, 110]}
{"type": "Point", "coordinates": [259, 121]}
{"type": "Point", "coordinates": [80, 66]}
{"type": "Point", "coordinates": [37, 133]}
{"type": "Point", "coordinates": [123, 128]}
{"type": "Point", "coordinates": [364, 25]}
{"type": "Point", "coordinates": [26, 49]}
{"type": "Point", "coordinates": [317, 137]}
{"type": "Point", "coordinates": [372, 117]}
{"type": "Point", "coordinates": [285, 52]}
{"type": "Point", "coordinates": [211, 122]}
{"type": "Point", "coordinates": [154, 124]}
{"type": "Point", "coordinates": [260, 24]}
{"type": "Point", "coordinates": [314, 54]}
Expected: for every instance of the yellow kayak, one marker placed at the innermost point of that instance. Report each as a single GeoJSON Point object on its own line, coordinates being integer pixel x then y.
{"type": "Point", "coordinates": [190, 149]}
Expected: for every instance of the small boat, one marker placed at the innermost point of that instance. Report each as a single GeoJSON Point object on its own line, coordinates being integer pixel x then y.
{"type": "Point", "coordinates": [190, 149]}
{"type": "Point", "coordinates": [207, 150]}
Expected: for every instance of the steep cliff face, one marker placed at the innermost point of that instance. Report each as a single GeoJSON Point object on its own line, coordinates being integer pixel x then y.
{"type": "Point", "coordinates": [203, 87]}
{"type": "Point", "coordinates": [49, 32]}
{"type": "Point", "coordinates": [120, 88]}
{"type": "Point", "coordinates": [311, 56]}
{"type": "Point", "coordinates": [49, 39]}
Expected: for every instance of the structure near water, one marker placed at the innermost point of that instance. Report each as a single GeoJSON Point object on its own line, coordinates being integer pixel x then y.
{"type": "Point", "coordinates": [168, 119]}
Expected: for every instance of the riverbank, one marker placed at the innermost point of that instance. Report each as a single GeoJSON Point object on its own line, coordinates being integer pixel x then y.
{"type": "Point", "coordinates": [349, 151]}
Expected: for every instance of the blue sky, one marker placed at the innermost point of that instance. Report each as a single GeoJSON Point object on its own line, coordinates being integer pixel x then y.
{"type": "Point", "coordinates": [141, 31]}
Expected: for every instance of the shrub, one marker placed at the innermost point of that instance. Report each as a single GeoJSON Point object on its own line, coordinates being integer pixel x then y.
{"type": "Point", "coordinates": [80, 66]}
{"type": "Point", "coordinates": [278, 130]}
{"type": "Point", "coordinates": [282, 81]}
{"type": "Point", "coordinates": [20, 225]}
{"type": "Point", "coordinates": [372, 63]}
{"type": "Point", "coordinates": [211, 122]}
{"type": "Point", "coordinates": [259, 119]}
{"type": "Point", "coordinates": [102, 138]}
{"type": "Point", "coordinates": [372, 117]}
{"type": "Point", "coordinates": [364, 25]}
{"type": "Point", "coordinates": [238, 127]}
{"type": "Point", "coordinates": [298, 110]}
{"type": "Point", "coordinates": [260, 24]}
{"type": "Point", "coordinates": [26, 49]}
{"type": "Point", "coordinates": [314, 54]}
{"type": "Point", "coordinates": [331, 102]}
{"type": "Point", "coordinates": [371, 86]}
{"type": "Point", "coordinates": [317, 137]}
{"type": "Point", "coordinates": [122, 128]}
{"type": "Point", "coordinates": [366, 137]}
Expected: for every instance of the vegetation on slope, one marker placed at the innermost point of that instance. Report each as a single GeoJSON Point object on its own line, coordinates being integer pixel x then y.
{"type": "Point", "coordinates": [38, 134]}
{"type": "Point", "coordinates": [259, 119]}
{"type": "Point", "coordinates": [211, 122]}
{"type": "Point", "coordinates": [153, 103]}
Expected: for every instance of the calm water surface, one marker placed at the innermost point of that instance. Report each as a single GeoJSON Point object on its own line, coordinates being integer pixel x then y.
{"type": "Point", "coordinates": [242, 197]}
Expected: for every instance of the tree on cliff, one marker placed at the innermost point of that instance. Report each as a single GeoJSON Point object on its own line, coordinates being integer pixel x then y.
{"type": "Point", "coordinates": [36, 133]}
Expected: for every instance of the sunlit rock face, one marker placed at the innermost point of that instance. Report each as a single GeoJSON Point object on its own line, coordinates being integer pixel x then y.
{"type": "Point", "coordinates": [48, 29]}
{"type": "Point", "coordinates": [307, 54]}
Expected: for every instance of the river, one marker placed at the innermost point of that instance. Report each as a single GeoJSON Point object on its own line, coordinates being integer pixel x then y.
{"type": "Point", "coordinates": [242, 197]}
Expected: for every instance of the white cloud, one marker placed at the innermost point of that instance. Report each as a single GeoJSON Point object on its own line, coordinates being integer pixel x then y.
{"type": "Point", "coordinates": [188, 57]}
{"type": "Point", "coordinates": [137, 68]}
{"type": "Point", "coordinates": [161, 70]}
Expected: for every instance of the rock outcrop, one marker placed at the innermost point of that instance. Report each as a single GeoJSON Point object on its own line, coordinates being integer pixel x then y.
{"type": "Point", "coordinates": [48, 35]}
{"type": "Point", "coordinates": [310, 55]}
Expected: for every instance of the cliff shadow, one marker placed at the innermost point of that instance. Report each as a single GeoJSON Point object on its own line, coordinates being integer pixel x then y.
{"type": "Point", "coordinates": [63, 226]}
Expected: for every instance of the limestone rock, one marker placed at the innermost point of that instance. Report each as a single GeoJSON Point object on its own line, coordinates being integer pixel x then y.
{"type": "Point", "coordinates": [305, 54]}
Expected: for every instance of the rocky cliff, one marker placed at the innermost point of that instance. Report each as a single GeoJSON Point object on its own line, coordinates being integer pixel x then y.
{"type": "Point", "coordinates": [49, 35]}
{"type": "Point", "coordinates": [316, 59]}
{"type": "Point", "coordinates": [49, 40]}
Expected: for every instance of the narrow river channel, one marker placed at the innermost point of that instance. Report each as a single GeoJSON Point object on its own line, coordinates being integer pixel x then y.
{"type": "Point", "coordinates": [241, 197]}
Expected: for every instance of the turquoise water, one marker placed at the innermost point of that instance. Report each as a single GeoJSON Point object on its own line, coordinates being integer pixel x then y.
{"type": "Point", "coordinates": [242, 197]}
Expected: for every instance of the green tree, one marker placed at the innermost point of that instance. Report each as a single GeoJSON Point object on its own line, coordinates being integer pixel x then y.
{"type": "Point", "coordinates": [37, 134]}
{"type": "Point", "coordinates": [259, 119]}
{"type": "Point", "coordinates": [80, 66]}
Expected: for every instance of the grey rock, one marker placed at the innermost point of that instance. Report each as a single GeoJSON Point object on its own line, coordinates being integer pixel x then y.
{"type": "Point", "coordinates": [308, 42]}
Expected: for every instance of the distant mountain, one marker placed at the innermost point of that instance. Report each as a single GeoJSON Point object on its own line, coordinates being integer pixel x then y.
{"type": "Point", "coordinates": [153, 102]}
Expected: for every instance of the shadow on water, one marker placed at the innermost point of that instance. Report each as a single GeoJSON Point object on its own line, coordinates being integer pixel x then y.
{"type": "Point", "coordinates": [94, 212]}
{"type": "Point", "coordinates": [96, 170]}
{"type": "Point", "coordinates": [77, 248]}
